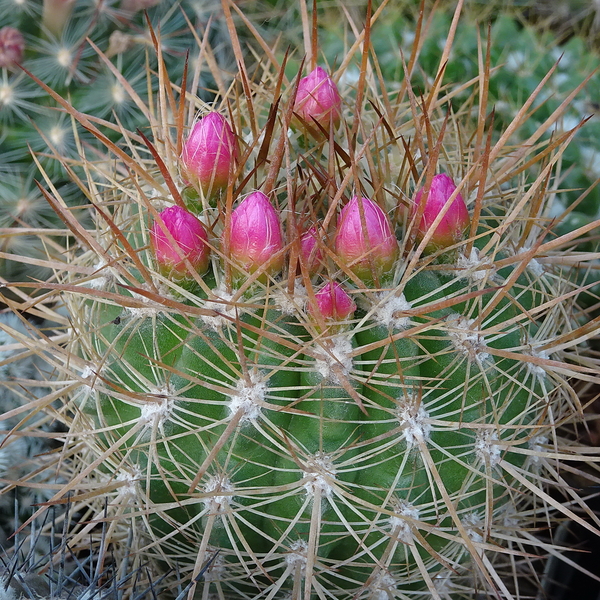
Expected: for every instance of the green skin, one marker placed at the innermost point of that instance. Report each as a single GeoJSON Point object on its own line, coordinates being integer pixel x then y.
{"type": "Point", "coordinates": [383, 473]}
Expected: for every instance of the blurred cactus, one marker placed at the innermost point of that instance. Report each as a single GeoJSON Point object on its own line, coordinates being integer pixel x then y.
{"type": "Point", "coordinates": [44, 563]}
{"type": "Point", "coordinates": [49, 39]}
{"type": "Point", "coordinates": [25, 377]}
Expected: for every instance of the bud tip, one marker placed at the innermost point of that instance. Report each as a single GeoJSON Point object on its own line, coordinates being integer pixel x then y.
{"type": "Point", "coordinates": [318, 99]}
{"type": "Point", "coordinates": [255, 235]}
{"type": "Point", "coordinates": [209, 153]}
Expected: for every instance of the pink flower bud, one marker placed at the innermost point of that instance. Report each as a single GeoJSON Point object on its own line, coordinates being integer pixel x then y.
{"type": "Point", "coordinates": [332, 303]}
{"type": "Point", "coordinates": [255, 236]}
{"type": "Point", "coordinates": [209, 153]}
{"type": "Point", "coordinates": [12, 47]}
{"type": "Point", "coordinates": [455, 221]}
{"type": "Point", "coordinates": [318, 99]}
{"type": "Point", "coordinates": [188, 241]}
{"type": "Point", "coordinates": [310, 251]}
{"type": "Point", "coordinates": [364, 240]}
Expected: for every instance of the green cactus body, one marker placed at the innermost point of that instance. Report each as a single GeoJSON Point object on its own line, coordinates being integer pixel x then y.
{"type": "Point", "coordinates": [287, 460]}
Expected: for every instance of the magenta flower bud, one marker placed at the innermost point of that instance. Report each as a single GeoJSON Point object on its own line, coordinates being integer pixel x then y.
{"type": "Point", "coordinates": [12, 47]}
{"type": "Point", "coordinates": [255, 236]}
{"type": "Point", "coordinates": [189, 241]}
{"type": "Point", "coordinates": [333, 304]}
{"type": "Point", "coordinates": [455, 221]}
{"type": "Point", "coordinates": [318, 99]}
{"type": "Point", "coordinates": [310, 251]}
{"type": "Point", "coordinates": [367, 247]}
{"type": "Point", "coordinates": [209, 154]}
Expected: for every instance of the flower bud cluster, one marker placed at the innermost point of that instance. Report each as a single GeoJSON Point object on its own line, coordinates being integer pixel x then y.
{"type": "Point", "coordinates": [365, 247]}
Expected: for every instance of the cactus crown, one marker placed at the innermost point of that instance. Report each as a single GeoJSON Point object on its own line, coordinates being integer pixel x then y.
{"type": "Point", "coordinates": [373, 417]}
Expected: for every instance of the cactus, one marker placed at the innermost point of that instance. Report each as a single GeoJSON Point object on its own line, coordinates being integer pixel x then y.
{"type": "Point", "coordinates": [48, 38]}
{"type": "Point", "coordinates": [518, 67]}
{"type": "Point", "coordinates": [367, 393]}
{"type": "Point", "coordinates": [68, 572]}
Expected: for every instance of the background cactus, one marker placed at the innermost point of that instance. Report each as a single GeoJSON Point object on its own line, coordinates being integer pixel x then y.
{"type": "Point", "coordinates": [531, 54]}
{"type": "Point", "coordinates": [25, 376]}
{"type": "Point", "coordinates": [389, 419]}
{"type": "Point", "coordinates": [53, 46]}
{"type": "Point", "coordinates": [43, 564]}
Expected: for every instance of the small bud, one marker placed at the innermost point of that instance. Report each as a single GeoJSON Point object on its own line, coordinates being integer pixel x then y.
{"type": "Point", "coordinates": [367, 247]}
{"type": "Point", "coordinates": [56, 14]}
{"type": "Point", "coordinates": [189, 241]}
{"type": "Point", "coordinates": [12, 47]}
{"type": "Point", "coordinates": [255, 236]}
{"type": "Point", "coordinates": [209, 153]}
{"type": "Point", "coordinates": [118, 43]}
{"type": "Point", "coordinates": [333, 304]}
{"type": "Point", "coordinates": [455, 221]}
{"type": "Point", "coordinates": [318, 99]}
{"type": "Point", "coordinates": [310, 251]}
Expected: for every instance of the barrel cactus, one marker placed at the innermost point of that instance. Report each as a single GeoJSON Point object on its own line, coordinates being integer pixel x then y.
{"type": "Point", "coordinates": [327, 348]}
